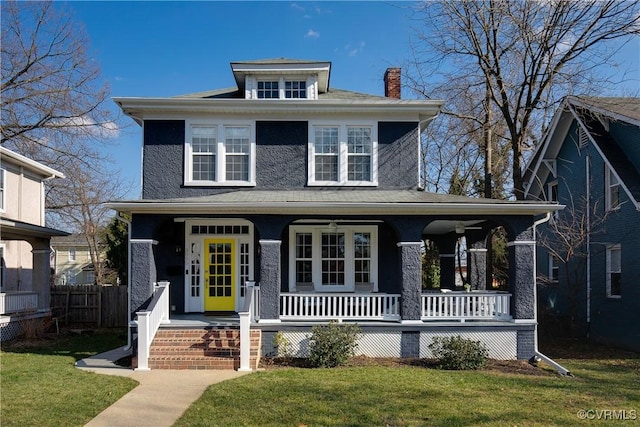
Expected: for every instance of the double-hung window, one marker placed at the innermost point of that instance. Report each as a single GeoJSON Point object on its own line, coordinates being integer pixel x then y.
{"type": "Point", "coordinates": [268, 90]}
{"type": "Point", "coordinates": [614, 271]}
{"type": "Point", "coordinates": [342, 154]}
{"type": "Point", "coordinates": [333, 259]}
{"type": "Point", "coordinates": [220, 154]}
{"type": "Point", "coordinates": [612, 189]}
{"type": "Point", "coordinates": [554, 268]}
{"type": "Point", "coordinates": [295, 89]}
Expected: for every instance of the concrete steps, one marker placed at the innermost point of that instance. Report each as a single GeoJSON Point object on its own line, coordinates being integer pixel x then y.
{"type": "Point", "coordinates": [201, 348]}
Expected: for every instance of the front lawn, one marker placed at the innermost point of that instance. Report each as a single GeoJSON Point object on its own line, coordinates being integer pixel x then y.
{"type": "Point", "coordinates": [41, 387]}
{"type": "Point", "coordinates": [420, 396]}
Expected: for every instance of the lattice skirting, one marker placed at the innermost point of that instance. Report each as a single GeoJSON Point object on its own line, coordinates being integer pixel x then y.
{"type": "Point", "coordinates": [502, 345]}
{"type": "Point", "coordinates": [11, 326]}
{"type": "Point", "coordinates": [372, 343]}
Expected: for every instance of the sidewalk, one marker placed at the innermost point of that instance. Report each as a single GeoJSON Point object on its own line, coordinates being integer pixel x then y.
{"type": "Point", "coordinates": [159, 400]}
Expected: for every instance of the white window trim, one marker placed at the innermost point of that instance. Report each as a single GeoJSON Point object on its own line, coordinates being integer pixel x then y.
{"type": "Point", "coordinates": [251, 86]}
{"type": "Point", "coordinates": [3, 190]}
{"type": "Point", "coordinates": [608, 186]}
{"type": "Point", "coordinates": [551, 268]}
{"type": "Point", "coordinates": [343, 154]}
{"type": "Point", "coordinates": [220, 154]}
{"type": "Point", "coordinates": [609, 249]}
{"type": "Point", "coordinates": [316, 264]}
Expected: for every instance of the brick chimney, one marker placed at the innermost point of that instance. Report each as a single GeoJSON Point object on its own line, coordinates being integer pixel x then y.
{"type": "Point", "coordinates": [392, 83]}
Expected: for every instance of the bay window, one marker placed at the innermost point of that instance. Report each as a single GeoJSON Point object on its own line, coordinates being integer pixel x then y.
{"type": "Point", "coordinates": [220, 154]}
{"type": "Point", "coordinates": [333, 259]}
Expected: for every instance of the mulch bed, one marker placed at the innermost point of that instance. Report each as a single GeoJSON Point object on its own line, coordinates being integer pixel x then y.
{"type": "Point", "coordinates": [555, 348]}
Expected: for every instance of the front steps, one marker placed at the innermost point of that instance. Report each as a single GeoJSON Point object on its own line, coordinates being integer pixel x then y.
{"type": "Point", "coordinates": [212, 347]}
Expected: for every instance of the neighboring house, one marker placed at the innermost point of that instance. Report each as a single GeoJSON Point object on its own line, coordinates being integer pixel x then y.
{"type": "Point", "coordinates": [71, 260]}
{"type": "Point", "coordinates": [589, 161]}
{"type": "Point", "coordinates": [24, 241]}
{"type": "Point", "coordinates": [314, 193]}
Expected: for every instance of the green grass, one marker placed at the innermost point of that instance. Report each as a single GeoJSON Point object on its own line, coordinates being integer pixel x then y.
{"type": "Point", "coordinates": [418, 396]}
{"type": "Point", "coordinates": [41, 387]}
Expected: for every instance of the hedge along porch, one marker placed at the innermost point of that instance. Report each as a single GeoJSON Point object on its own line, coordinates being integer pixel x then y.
{"type": "Point", "coordinates": [211, 246]}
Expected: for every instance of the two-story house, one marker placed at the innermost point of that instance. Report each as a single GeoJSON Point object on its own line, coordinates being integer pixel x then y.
{"type": "Point", "coordinates": [71, 260]}
{"type": "Point", "coordinates": [314, 194]}
{"type": "Point", "coordinates": [589, 160]}
{"type": "Point", "coordinates": [24, 241]}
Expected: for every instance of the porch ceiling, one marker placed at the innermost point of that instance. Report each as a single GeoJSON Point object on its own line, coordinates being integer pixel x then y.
{"type": "Point", "coordinates": [361, 202]}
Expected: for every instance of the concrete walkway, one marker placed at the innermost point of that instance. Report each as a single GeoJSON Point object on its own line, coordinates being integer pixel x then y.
{"type": "Point", "coordinates": [159, 400]}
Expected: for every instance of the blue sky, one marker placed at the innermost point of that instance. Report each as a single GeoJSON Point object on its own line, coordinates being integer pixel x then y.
{"type": "Point", "coordinates": [161, 49]}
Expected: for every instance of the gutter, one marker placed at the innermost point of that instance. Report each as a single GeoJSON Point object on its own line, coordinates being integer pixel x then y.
{"type": "Point", "coordinates": [537, 356]}
{"type": "Point", "coordinates": [129, 334]}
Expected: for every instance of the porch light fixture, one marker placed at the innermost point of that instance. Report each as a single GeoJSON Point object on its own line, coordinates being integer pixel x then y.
{"type": "Point", "coordinates": [459, 228]}
{"type": "Point", "coordinates": [333, 225]}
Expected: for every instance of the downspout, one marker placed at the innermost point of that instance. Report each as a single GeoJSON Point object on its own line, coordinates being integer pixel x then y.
{"type": "Point", "coordinates": [537, 355]}
{"type": "Point", "coordinates": [129, 334]}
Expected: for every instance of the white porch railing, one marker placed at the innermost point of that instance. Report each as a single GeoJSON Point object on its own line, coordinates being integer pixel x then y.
{"type": "Point", "coordinates": [18, 301]}
{"type": "Point", "coordinates": [247, 316]}
{"type": "Point", "coordinates": [475, 305]}
{"type": "Point", "coordinates": [320, 306]}
{"type": "Point", "coordinates": [150, 320]}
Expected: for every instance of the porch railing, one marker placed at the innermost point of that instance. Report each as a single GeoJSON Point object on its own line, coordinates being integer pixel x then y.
{"type": "Point", "coordinates": [149, 321]}
{"type": "Point", "coordinates": [18, 301]}
{"type": "Point", "coordinates": [247, 316]}
{"type": "Point", "coordinates": [466, 306]}
{"type": "Point", "coordinates": [321, 306]}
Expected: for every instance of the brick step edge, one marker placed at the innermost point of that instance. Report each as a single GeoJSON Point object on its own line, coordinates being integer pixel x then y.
{"type": "Point", "coordinates": [228, 363]}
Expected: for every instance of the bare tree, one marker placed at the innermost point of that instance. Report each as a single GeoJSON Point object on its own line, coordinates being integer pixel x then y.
{"type": "Point", "coordinates": [518, 59]}
{"type": "Point", "coordinates": [54, 109]}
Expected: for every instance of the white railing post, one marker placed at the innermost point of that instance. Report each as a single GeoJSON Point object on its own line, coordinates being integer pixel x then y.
{"type": "Point", "coordinates": [143, 340]}
{"type": "Point", "coordinates": [149, 321]}
{"type": "Point", "coordinates": [245, 328]}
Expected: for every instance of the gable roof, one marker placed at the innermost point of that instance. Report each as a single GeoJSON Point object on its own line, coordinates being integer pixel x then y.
{"type": "Point", "coordinates": [591, 114]}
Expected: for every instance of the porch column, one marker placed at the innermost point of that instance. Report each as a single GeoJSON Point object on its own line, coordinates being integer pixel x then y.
{"type": "Point", "coordinates": [477, 265]}
{"type": "Point", "coordinates": [522, 286]}
{"type": "Point", "coordinates": [270, 281]}
{"type": "Point", "coordinates": [447, 250]}
{"type": "Point", "coordinates": [41, 276]}
{"type": "Point", "coordinates": [143, 273]}
{"type": "Point", "coordinates": [411, 265]}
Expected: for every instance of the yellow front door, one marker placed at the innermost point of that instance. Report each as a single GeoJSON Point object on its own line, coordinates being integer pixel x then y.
{"type": "Point", "coordinates": [220, 275]}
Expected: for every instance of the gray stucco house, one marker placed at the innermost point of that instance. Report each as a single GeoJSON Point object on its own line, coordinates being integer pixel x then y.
{"type": "Point", "coordinates": [312, 194]}
{"type": "Point", "coordinates": [590, 161]}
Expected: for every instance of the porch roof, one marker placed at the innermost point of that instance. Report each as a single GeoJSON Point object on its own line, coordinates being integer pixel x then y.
{"type": "Point", "coordinates": [385, 202]}
{"type": "Point", "coordinates": [18, 230]}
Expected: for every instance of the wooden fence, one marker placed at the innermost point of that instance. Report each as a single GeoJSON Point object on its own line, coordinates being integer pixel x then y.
{"type": "Point", "coordinates": [102, 306]}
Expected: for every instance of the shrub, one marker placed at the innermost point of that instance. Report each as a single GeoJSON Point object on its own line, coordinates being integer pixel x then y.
{"type": "Point", "coordinates": [282, 345]}
{"type": "Point", "coordinates": [332, 345]}
{"type": "Point", "coordinates": [459, 353]}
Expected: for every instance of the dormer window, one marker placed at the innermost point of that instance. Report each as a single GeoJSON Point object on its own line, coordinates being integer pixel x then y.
{"type": "Point", "coordinates": [295, 89]}
{"type": "Point", "coordinates": [280, 87]}
{"type": "Point", "coordinates": [268, 90]}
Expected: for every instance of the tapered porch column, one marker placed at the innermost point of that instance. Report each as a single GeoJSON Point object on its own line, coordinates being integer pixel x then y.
{"type": "Point", "coordinates": [477, 265]}
{"type": "Point", "coordinates": [270, 281]}
{"type": "Point", "coordinates": [447, 250]}
{"type": "Point", "coordinates": [411, 265]}
{"type": "Point", "coordinates": [143, 273]}
{"type": "Point", "coordinates": [522, 286]}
